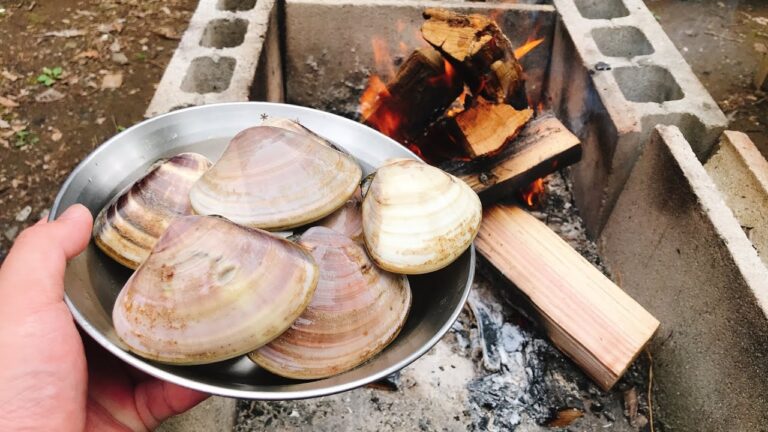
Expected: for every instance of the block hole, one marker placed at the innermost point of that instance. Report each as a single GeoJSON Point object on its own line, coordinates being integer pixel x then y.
{"type": "Point", "coordinates": [647, 84]}
{"type": "Point", "coordinates": [224, 33]}
{"type": "Point", "coordinates": [621, 41]}
{"type": "Point", "coordinates": [601, 9]}
{"type": "Point", "coordinates": [236, 5]}
{"type": "Point", "coordinates": [206, 75]}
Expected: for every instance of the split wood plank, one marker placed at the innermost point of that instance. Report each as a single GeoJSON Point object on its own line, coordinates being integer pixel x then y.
{"type": "Point", "coordinates": [481, 51]}
{"type": "Point", "coordinates": [485, 128]}
{"type": "Point", "coordinates": [586, 315]}
{"type": "Point", "coordinates": [542, 147]}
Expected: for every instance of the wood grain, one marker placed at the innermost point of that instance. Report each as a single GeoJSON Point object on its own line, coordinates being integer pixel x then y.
{"type": "Point", "coordinates": [586, 315]}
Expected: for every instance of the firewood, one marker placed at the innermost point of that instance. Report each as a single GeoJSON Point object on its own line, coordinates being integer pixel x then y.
{"type": "Point", "coordinates": [479, 49]}
{"type": "Point", "coordinates": [585, 315]}
{"type": "Point", "coordinates": [420, 92]}
{"type": "Point", "coordinates": [543, 146]}
{"type": "Point", "coordinates": [484, 128]}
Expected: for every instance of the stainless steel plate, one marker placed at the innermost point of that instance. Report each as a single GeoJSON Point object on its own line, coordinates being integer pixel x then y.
{"type": "Point", "coordinates": [93, 280]}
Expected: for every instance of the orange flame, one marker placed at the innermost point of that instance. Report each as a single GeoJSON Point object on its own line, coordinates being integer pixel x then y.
{"type": "Point", "coordinates": [527, 47]}
{"type": "Point", "coordinates": [532, 194]}
{"type": "Point", "coordinates": [382, 57]}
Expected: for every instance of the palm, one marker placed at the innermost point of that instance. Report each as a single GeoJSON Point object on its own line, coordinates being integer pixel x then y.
{"type": "Point", "coordinates": [47, 382]}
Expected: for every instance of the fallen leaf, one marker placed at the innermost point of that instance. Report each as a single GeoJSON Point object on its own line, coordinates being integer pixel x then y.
{"type": "Point", "coordinates": [101, 120]}
{"type": "Point", "coordinates": [114, 26]}
{"type": "Point", "coordinates": [56, 135]}
{"type": "Point", "coordinates": [65, 33]}
{"type": "Point", "coordinates": [50, 95]}
{"type": "Point", "coordinates": [4, 124]}
{"type": "Point", "coordinates": [91, 54]}
{"type": "Point", "coordinates": [115, 47]}
{"type": "Point", "coordinates": [760, 20]}
{"type": "Point", "coordinates": [565, 417]}
{"type": "Point", "coordinates": [9, 76]}
{"type": "Point", "coordinates": [4, 101]}
{"type": "Point", "coordinates": [166, 32]}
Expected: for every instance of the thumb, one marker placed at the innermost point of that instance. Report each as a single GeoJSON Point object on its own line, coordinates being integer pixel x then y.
{"type": "Point", "coordinates": [33, 271]}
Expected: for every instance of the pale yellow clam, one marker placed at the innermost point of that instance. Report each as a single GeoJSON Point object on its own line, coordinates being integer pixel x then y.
{"type": "Point", "coordinates": [213, 290]}
{"type": "Point", "coordinates": [418, 218]}
{"type": "Point", "coordinates": [356, 311]}
{"type": "Point", "coordinates": [128, 227]}
{"type": "Point", "coordinates": [276, 179]}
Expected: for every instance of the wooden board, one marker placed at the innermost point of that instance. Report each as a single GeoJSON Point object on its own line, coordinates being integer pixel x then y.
{"type": "Point", "coordinates": [543, 146]}
{"type": "Point", "coordinates": [586, 315]}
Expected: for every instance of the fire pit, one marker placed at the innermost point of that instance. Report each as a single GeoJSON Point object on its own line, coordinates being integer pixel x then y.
{"type": "Point", "coordinates": [607, 71]}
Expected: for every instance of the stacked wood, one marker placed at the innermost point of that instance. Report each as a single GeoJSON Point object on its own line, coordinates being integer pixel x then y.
{"type": "Point", "coordinates": [481, 52]}
{"type": "Point", "coordinates": [585, 314]}
{"type": "Point", "coordinates": [420, 92]}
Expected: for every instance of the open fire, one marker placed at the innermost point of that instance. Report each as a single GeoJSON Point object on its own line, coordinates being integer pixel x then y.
{"type": "Point", "coordinates": [451, 103]}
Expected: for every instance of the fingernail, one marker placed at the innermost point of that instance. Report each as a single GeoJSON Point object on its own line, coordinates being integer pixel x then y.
{"type": "Point", "coordinates": [70, 213]}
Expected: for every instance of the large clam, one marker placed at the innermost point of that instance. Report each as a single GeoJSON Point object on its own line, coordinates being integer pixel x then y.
{"type": "Point", "coordinates": [356, 311]}
{"type": "Point", "coordinates": [212, 290]}
{"type": "Point", "coordinates": [418, 218]}
{"type": "Point", "coordinates": [348, 219]}
{"type": "Point", "coordinates": [128, 227]}
{"type": "Point", "coordinates": [274, 178]}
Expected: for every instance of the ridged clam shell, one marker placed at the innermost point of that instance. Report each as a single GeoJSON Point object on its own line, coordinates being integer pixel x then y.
{"type": "Point", "coordinates": [213, 290]}
{"type": "Point", "coordinates": [128, 227]}
{"type": "Point", "coordinates": [347, 220]}
{"type": "Point", "coordinates": [275, 179]}
{"type": "Point", "coordinates": [356, 311]}
{"type": "Point", "coordinates": [418, 218]}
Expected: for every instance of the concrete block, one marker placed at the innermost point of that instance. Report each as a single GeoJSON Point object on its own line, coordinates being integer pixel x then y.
{"type": "Point", "coordinates": [217, 414]}
{"type": "Point", "coordinates": [674, 246]}
{"type": "Point", "coordinates": [740, 173]}
{"type": "Point", "coordinates": [230, 52]}
{"type": "Point", "coordinates": [614, 76]}
{"type": "Point", "coordinates": [329, 69]}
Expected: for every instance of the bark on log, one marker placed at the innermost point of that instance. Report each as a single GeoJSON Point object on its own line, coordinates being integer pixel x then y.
{"type": "Point", "coordinates": [420, 92]}
{"type": "Point", "coordinates": [481, 52]}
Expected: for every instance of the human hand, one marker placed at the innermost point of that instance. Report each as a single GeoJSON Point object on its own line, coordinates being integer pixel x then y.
{"type": "Point", "coordinates": [46, 382]}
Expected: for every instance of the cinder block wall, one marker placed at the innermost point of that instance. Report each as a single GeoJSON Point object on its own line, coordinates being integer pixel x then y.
{"type": "Point", "coordinates": [674, 246]}
{"type": "Point", "coordinates": [614, 76]}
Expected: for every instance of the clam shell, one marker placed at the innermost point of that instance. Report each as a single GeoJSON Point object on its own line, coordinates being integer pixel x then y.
{"type": "Point", "coordinates": [356, 311]}
{"type": "Point", "coordinates": [418, 218]}
{"type": "Point", "coordinates": [212, 290]}
{"type": "Point", "coordinates": [347, 220]}
{"type": "Point", "coordinates": [275, 179]}
{"type": "Point", "coordinates": [129, 226]}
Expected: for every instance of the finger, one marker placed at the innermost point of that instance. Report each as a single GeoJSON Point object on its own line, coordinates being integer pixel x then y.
{"type": "Point", "coordinates": [33, 271]}
{"type": "Point", "coordinates": [157, 400]}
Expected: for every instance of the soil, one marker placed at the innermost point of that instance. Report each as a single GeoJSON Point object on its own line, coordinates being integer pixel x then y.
{"type": "Point", "coordinates": [717, 38]}
{"type": "Point", "coordinates": [41, 142]}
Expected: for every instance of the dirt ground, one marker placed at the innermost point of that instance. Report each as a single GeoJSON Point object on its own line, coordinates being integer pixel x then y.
{"type": "Point", "coordinates": [718, 40]}
{"type": "Point", "coordinates": [103, 58]}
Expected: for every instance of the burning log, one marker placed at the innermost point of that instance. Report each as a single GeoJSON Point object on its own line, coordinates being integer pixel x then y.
{"type": "Point", "coordinates": [585, 314]}
{"type": "Point", "coordinates": [543, 146]}
{"type": "Point", "coordinates": [484, 128]}
{"type": "Point", "coordinates": [425, 85]}
{"type": "Point", "coordinates": [484, 56]}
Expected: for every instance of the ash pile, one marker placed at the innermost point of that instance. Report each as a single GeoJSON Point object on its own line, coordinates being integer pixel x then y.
{"type": "Point", "coordinates": [494, 371]}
